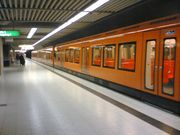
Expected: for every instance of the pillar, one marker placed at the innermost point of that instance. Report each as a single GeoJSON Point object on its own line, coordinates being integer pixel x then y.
{"type": "Point", "coordinates": [1, 56]}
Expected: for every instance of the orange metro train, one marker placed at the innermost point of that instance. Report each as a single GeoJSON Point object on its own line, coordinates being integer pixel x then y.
{"type": "Point", "coordinates": [142, 60]}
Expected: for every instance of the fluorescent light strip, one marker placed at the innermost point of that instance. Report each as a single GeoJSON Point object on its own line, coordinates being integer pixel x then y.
{"type": "Point", "coordinates": [95, 5]}
{"type": "Point", "coordinates": [31, 33]}
{"type": "Point", "coordinates": [74, 19]}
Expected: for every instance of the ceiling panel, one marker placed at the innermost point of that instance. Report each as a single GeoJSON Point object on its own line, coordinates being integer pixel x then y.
{"type": "Point", "coordinates": [46, 15]}
{"type": "Point", "coordinates": [93, 17]}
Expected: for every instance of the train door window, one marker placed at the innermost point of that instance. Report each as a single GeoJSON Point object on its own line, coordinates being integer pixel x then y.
{"type": "Point", "coordinates": [44, 54]}
{"type": "Point", "coordinates": [87, 56]}
{"type": "Point", "coordinates": [83, 56]}
{"type": "Point", "coordinates": [150, 64]}
{"type": "Point", "coordinates": [48, 55]}
{"type": "Point", "coordinates": [127, 52]}
{"type": "Point", "coordinates": [67, 55]}
{"type": "Point", "coordinates": [109, 56]}
{"type": "Point", "coordinates": [71, 56]}
{"type": "Point", "coordinates": [169, 52]}
{"type": "Point", "coordinates": [76, 55]}
{"type": "Point", "coordinates": [62, 55]}
{"type": "Point", "coordinates": [85, 59]}
{"type": "Point", "coordinates": [58, 53]}
{"type": "Point", "coordinates": [96, 59]}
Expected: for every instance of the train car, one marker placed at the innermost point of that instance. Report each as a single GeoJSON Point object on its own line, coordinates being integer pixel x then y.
{"type": "Point", "coordinates": [142, 60]}
{"type": "Point", "coordinates": [44, 56]}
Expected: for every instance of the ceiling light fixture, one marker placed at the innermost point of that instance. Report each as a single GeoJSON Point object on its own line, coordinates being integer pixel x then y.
{"type": "Point", "coordinates": [25, 48]}
{"type": "Point", "coordinates": [74, 19]}
{"type": "Point", "coordinates": [31, 33]}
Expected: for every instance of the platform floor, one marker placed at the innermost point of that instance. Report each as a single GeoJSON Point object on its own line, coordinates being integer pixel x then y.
{"type": "Point", "coordinates": [37, 101]}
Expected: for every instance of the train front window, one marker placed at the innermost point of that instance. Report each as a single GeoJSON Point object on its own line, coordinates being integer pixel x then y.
{"type": "Point", "coordinates": [169, 65]}
{"type": "Point", "coordinates": [96, 59]}
{"type": "Point", "coordinates": [109, 56]}
{"type": "Point", "coordinates": [150, 64]}
{"type": "Point", "coordinates": [76, 55]}
{"type": "Point", "coordinates": [127, 53]}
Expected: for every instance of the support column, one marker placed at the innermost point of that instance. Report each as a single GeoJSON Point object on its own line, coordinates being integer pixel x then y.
{"type": "Point", "coordinates": [1, 56]}
{"type": "Point", "coordinates": [53, 55]}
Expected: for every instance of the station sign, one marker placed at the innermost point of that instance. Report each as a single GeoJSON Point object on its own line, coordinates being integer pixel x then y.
{"type": "Point", "coordinates": [9, 33]}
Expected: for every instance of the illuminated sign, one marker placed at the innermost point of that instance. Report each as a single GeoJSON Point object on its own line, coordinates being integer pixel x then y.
{"type": "Point", "coordinates": [9, 33]}
{"type": "Point", "coordinates": [170, 32]}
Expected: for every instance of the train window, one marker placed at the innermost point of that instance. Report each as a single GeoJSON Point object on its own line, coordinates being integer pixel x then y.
{"type": "Point", "coordinates": [169, 65]}
{"type": "Point", "coordinates": [44, 55]}
{"type": "Point", "coordinates": [96, 59]}
{"type": "Point", "coordinates": [127, 53]}
{"type": "Point", "coordinates": [48, 55]}
{"type": "Point", "coordinates": [109, 56]}
{"type": "Point", "coordinates": [150, 64]}
{"type": "Point", "coordinates": [71, 56]}
{"type": "Point", "coordinates": [67, 55]}
{"type": "Point", "coordinates": [76, 55]}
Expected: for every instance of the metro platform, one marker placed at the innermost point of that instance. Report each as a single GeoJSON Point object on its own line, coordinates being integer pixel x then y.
{"type": "Point", "coordinates": [39, 100]}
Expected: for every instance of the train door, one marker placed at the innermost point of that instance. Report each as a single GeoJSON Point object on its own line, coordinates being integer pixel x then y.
{"type": "Point", "coordinates": [150, 61]}
{"type": "Point", "coordinates": [85, 59]}
{"type": "Point", "coordinates": [161, 66]}
{"type": "Point", "coordinates": [169, 65]}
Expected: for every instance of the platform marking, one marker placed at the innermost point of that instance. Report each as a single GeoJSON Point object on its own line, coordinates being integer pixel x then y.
{"type": "Point", "coordinates": [2, 105]}
{"type": "Point", "coordinates": [156, 123]}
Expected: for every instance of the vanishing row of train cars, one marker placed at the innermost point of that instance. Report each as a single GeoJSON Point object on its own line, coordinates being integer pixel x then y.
{"type": "Point", "coordinates": [142, 60]}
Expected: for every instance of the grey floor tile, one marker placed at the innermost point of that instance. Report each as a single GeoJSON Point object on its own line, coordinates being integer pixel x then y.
{"type": "Point", "coordinates": [40, 102]}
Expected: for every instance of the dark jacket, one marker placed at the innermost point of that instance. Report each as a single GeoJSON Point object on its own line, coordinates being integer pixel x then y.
{"type": "Point", "coordinates": [22, 60]}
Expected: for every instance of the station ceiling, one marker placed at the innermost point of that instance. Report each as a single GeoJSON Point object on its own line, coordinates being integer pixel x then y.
{"type": "Point", "coordinates": [47, 15]}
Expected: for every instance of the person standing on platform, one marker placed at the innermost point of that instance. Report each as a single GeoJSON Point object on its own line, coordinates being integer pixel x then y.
{"type": "Point", "coordinates": [22, 60]}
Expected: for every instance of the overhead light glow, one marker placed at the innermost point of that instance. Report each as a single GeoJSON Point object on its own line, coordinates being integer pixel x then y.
{"type": "Point", "coordinates": [17, 50]}
{"type": "Point", "coordinates": [53, 32]}
{"type": "Point", "coordinates": [31, 33]}
{"type": "Point", "coordinates": [24, 48]}
{"type": "Point", "coordinates": [34, 51]}
{"type": "Point", "coordinates": [74, 19]}
{"type": "Point", "coordinates": [95, 5]}
{"type": "Point", "coordinates": [49, 49]}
